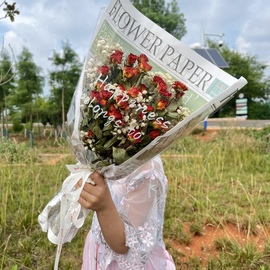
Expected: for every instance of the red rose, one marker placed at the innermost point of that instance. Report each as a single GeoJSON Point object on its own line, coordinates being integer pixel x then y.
{"type": "Point", "coordinates": [134, 92]}
{"type": "Point", "coordinates": [179, 85]}
{"type": "Point", "coordinates": [150, 108]}
{"type": "Point", "coordinates": [158, 79]}
{"type": "Point", "coordinates": [135, 136]}
{"type": "Point", "coordinates": [163, 89]}
{"type": "Point", "coordinates": [90, 134]}
{"type": "Point", "coordinates": [180, 88]}
{"type": "Point", "coordinates": [121, 87]}
{"type": "Point", "coordinates": [102, 102]}
{"type": "Point", "coordinates": [129, 72]}
{"type": "Point", "coordinates": [142, 58]}
{"type": "Point", "coordinates": [105, 94]}
{"type": "Point", "coordinates": [179, 94]}
{"type": "Point", "coordinates": [131, 59]}
{"type": "Point", "coordinates": [94, 95]}
{"type": "Point", "coordinates": [117, 57]}
{"type": "Point", "coordinates": [160, 125]}
{"type": "Point", "coordinates": [100, 85]}
{"type": "Point", "coordinates": [161, 86]}
{"type": "Point", "coordinates": [154, 133]}
{"type": "Point", "coordinates": [122, 102]}
{"type": "Point", "coordinates": [142, 87]}
{"type": "Point", "coordinates": [161, 105]}
{"type": "Point", "coordinates": [144, 66]}
{"type": "Point", "coordinates": [114, 112]}
{"type": "Point", "coordinates": [104, 70]}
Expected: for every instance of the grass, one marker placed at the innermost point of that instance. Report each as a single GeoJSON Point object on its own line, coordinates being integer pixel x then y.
{"type": "Point", "coordinates": [219, 181]}
{"type": "Point", "coordinates": [213, 180]}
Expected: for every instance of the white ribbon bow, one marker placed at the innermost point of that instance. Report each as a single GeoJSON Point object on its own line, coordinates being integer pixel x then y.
{"type": "Point", "coordinates": [67, 213]}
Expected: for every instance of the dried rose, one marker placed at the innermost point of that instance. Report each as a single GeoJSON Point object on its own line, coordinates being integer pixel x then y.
{"type": "Point", "coordinates": [135, 136]}
{"type": "Point", "coordinates": [131, 59]}
{"type": "Point", "coordinates": [154, 133]}
{"type": "Point", "coordinates": [161, 104]}
{"type": "Point", "coordinates": [104, 70]}
{"type": "Point", "coordinates": [114, 112]}
{"type": "Point", "coordinates": [134, 92]}
{"type": "Point", "coordinates": [144, 66]}
{"type": "Point", "coordinates": [116, 57]}
{"type": "Point", "coordinates": [129, 72]}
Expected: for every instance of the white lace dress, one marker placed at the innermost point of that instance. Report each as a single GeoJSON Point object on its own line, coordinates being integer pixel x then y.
{"type": "Point", "coordinates": [140, 199]}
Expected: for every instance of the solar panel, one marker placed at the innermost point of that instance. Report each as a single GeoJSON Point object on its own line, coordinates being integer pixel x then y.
{"type": "Point", "coordinates": [212, 55]}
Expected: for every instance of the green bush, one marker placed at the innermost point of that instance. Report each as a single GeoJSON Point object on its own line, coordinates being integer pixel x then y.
{"type": "Point", "coordinates": [17, 125]}
{"type": "Point", "coordinates": [13, 152]}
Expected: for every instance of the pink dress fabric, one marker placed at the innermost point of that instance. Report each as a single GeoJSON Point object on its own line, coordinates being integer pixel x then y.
{"type": "Point", "coordinates": [140, 199]}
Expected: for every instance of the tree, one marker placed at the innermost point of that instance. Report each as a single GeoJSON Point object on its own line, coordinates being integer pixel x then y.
{"type": "Point", "coordinates": [29, 86]}
{"type": "Point", "coordinates": [10, 10]}
{"type": "Point", "coordinates": [63, 81]}
{"type": "Point", "coordinates": [6, 72]}
{"type": "Point", "coordinates": [168, 17]}
{"type": "Point", "coordinates": [6, 85]}
{"type": "Point", "coordinates": [257, 91]}
{"type": "Point", "coordinates": [43, 110]}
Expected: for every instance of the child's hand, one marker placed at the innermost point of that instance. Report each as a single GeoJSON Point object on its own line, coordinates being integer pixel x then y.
{"type": "Point", "coordinates": [96, 197]}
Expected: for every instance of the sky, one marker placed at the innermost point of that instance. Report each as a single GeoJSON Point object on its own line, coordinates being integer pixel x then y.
{"type": "Point", "coordinates": [44, 25]}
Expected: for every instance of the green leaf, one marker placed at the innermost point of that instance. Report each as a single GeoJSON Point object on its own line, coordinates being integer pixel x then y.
{"type": "Point", "coordinates": [94, 126]}
{"type": "Point", "coordinates": [120, 155]}
{"type": "Point", "coordinates": [173, 115]}
{"type": "Point", "coordinates": [89, 113]}
{"type": "Point", "coordinates": [173, 106]}
{"type": "Point", "coordinates": [161, 113]}
{"type": "Point", "coordinates": [101, 142]}
{"type": "Point", "coordinates": [84, 122]}
{"type": "Point", "coordinates": [145, 140]}
{"type": "Point", "coordinates": [107, 128]}
{"type": "Point", "coordinates": [131, 147]}
{"type": "Point", "coordinates": [107, 133]}
{"type": "Point", "coordinates": [123, 141]}
{"type": "Point", "coordinates": [110, 143]}
{"type": "Point", "coordinates": [103, 163]}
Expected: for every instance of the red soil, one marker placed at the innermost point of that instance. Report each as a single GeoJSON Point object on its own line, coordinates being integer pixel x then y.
{"type": "Point", "coordinates": [203, 246]}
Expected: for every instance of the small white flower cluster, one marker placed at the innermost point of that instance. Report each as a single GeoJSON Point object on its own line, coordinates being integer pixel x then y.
{"type": "Point", "coordinates": [104, 50]}
{"type": "Point", "coordinates": [85, 99]}
{"type": "Point", "coordinates": [89, 141]}
{"type": "Point", "coordinates": [138, 105]}
{"type": "Point", "coordinates": [183, 111]}
{"type": "Point", "coordinates": [165, 76]}
{"type": "Point", "coordinates": [91, 72]}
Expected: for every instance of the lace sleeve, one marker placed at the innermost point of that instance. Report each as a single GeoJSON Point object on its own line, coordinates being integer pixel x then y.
{"type": "Point", "coordinates": [142, 210]}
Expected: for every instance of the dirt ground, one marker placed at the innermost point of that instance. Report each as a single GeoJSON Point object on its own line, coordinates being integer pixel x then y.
{"type": "Point", "coordinates": [203, 246]}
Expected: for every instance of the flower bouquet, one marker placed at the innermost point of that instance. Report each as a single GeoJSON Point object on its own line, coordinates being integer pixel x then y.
{"type": "Point", "coordinates": [124, 105]}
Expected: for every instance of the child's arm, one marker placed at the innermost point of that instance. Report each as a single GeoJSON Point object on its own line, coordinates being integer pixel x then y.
{"type": "Point", "coordinates": [98, 198]}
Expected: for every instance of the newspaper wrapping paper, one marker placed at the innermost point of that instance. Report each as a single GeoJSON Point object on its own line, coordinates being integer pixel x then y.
{"type": "Point", "coordinates": [209, 89]}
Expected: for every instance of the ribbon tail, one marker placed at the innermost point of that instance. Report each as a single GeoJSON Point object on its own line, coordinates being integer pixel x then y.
{"type": "Point", "coordinates": [61, 231]}
{"type": "Point", "coordinates": [67, 215]}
